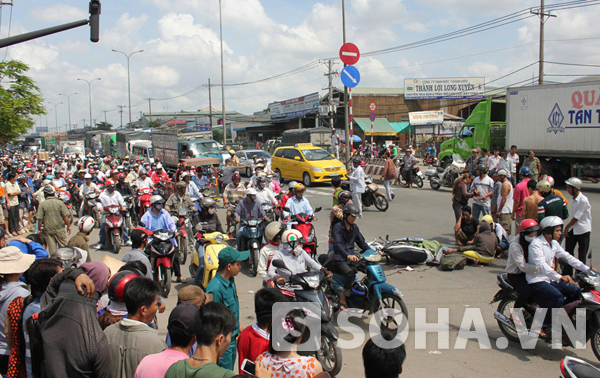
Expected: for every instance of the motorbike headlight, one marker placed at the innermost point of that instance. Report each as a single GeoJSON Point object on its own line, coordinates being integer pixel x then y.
{"type": "Point", "coordinates": [252, 222]}
{"type": "Point", "coordinates": [209, 259]}
{"type": "Point", "coordinates": [316, 169]}
{"type": "Point", "coordinates": [592, 280]}
{"type": "Point", "coordinates": [219, 239]}
{"type": "Point", "coordinates": [313, 281]}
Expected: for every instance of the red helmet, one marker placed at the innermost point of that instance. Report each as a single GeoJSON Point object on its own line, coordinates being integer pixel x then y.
{"type": "Point", "coordinates": [120, 176]}
{"type": "Point", "coordinates": [236, 176]}
{"type": "Point", "coordinates": [116, 285]}
{"type": "Point", "coordinates": [528, 225]}
{"type": "Point", "coordinates": [91, 171]}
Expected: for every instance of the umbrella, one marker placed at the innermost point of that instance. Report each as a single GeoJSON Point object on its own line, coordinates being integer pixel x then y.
{"type": "Point", "coordinates": [355, 139]}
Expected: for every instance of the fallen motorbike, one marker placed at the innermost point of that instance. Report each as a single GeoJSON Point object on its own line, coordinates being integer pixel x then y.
{"type": "Point", "coordinates": [184, 228]}
{"type": "Point", "coordinates": [162, 253]}
{"type": "Point", "coordinates": [252, 240]}
{"type": "Point", "coordinates": [446, 177]}
{"type": "Point", "coordinates": [588, 281]}
{"type": "Point", "coordinates": [205, 258]}
{"type": "Point", "coordinates": [417, 177]}
{"type": "Point", "coordinates": [372, 196]}
{"type": "Point", "coordinates": [114, 227]}
{"type": "Point", "coordinates": [402, 251]}
{"type": "Point", "coordinates": [308, 287]}
{"type": "Point", "coordinates": [572, 367]}
{"type": "Point", "coordinates": [304, 223]}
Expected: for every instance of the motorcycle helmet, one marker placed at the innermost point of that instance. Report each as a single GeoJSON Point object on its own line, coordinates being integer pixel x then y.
{"type": "Point", "coordinates": [344, 197]}
{"type": "Point", "coordinates": [68, 256]}
{"type": "Point", "coordinates": [156, 199]}
{"type": "Point", "coordinates": [116, 285]}
{"type": "Point", "coordinates": [291, 185]}
{"type": "Point", "coordinates": [109, 184]}
{"type": "Point", "coordinates": [528, 226]}
{"type": "Point", "coordinates": [180, 185]}
{"type": "Point", "coordinates": [292, 238]}
{"type": "Point", "coordinates": [574, 182]}
{"type": "Point", "coordinates": [87, 176]}
{"type": "Point", "coordinates": [86, 223]}
{"type": "Point", "coordinates": [272, 230]}
{"type": "Point", "coordinates": [299, 187]}
{"type": "Point", "coordinates": [550, 179]}
{"type": "Point", "coordinates": [356, 160]}
{"type": "Point", "coordinates": [480, 167]}
{"type": "Point", "coordinates": [544, 187]}
{"type": "Point", "coordinates": [251, 192]}
{"type": "Point", "coordinates": [359, 288]}
{"type": "Point", "coordinates": [207, 202]}
{"type": "Point", "coordinates": [236, 176]}
{"type": "Point", "coordinates": [549, 223]}
{"type": "Point", "coordinates": [525, 171]}
{"type": "Point", "coordinates": [351, 209]}
{"type": "Point", "coordinates": [487, 218]}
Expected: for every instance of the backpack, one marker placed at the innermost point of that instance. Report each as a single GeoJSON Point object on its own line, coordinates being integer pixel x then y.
{"type": "Point", "coordinates": [453, 261]}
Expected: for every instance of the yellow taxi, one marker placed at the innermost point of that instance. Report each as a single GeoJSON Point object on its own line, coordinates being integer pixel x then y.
{"type": "Point", "coordinates": [306, 163]}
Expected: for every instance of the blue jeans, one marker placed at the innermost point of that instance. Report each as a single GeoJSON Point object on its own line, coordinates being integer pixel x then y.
{"type": "Point", "coordinates": [239, 238]}
{"type": "Point", "coordinates": [479, 209]}
{"type": "Point", "coordinates": [388, 190]}
{"type": "Point", "coordinates": [201, 266]}
{"type": "Point", "coordinates": [103, 231]}
{"type": "Point", "coordinates": [554, 293]}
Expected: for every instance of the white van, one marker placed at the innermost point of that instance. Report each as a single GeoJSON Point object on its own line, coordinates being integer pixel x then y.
{"type": "Point", "coordinates": [141, 149]}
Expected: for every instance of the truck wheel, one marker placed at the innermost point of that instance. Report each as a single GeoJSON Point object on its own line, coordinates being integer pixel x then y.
{"type": "Point", "coordinates": [306, 179]}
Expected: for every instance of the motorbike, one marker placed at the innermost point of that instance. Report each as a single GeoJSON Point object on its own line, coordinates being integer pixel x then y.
{"type": "Point", "coordinates": [252, 240]}
{"type": "Point", "coordinates": [304, 223]}
{"type": "Point", "coordinates": [130, 214]}
{"type": "Point", "coordinates": [114, 227]}
{"type": "Point", "coordinates": [402, 251]}
{"type": "Point", "coordinates": [430, 160]}
{"type": "Point", "coordinates": [371, 293]}
{"type": "Point", "coordinates": [90, 206]}
{"type": "Point", "coordinates": [417, 177]}
{"type": "Point", "coordinates": [372, 196]}
{"type": "Point", "coordinates": [64, 195]}
{"type": "Point", "coordinates": [308, 287]}
{"type": "Point", "coordinates": [270, 211]}
{"type": "Point", "coordinates": [590, 301]}
{"type": "Point", "coordinates": [184, 227]}
{"type": "Point", "coordinates": [75, 195]}
{"type": "Point", "coordinates": [233, 224]}
{"type": "Point", "coordinates": [144, 200]}
{"type": "Point", "coordinates": [572, 367]}
{"type": "Point", "coordinates": [446, 176]}
{"type": "Point", "coordinates": [205, 257]}
{"type": "Point", "coordinates": [162, 253]}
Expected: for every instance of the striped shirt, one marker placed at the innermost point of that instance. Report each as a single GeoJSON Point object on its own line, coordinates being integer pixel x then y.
{"type": "Point", "coordinates": [234, 194]}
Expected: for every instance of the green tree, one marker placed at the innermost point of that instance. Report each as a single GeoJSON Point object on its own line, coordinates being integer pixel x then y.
{"type": "Point", "coordinates": [218, 136]}
{"type": "Point", "coordinates": [154, 124]}
{"type": "Point", "coordinates": [103, 126]}
{"type": "Point", "coordinates": [20, 100]}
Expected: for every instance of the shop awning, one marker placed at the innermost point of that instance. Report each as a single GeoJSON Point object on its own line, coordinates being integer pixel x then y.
{"type": "Point", "coordinates": [402, 127]}
{"type": "Point", "coordinates": [381, 126]}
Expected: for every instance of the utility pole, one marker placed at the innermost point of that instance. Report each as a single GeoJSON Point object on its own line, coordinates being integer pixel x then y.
{"type": "Point", "coordinates": [105, 123]}
{"type": "Point", "coordinates": [121, 111]}
{"type": "Point", "coordinates": [543, 18]}
{"type": "Point", "coordinates": [150, 107]}
{"type": "Point", "coordinates": [331, 112]}
{"type": "Point", "coordinates": [223, 80]}
{"type": "Point", "coordinates": [210, 104]}
{"type": "Point", "coordinates": [346, 100]}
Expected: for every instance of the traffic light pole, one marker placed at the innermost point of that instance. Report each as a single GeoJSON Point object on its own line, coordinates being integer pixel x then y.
{"type": "Point", "coordinates": [4, 42]}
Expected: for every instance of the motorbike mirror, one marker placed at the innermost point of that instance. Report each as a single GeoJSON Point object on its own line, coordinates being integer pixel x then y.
{"type": "Point", "coordinates": [142, 224]}
{"type": "Point", "coordinates": [285, 208]}
{"type": "Point", "coordinates": [279, 264]}
{"type": "Point", "coordinates": [318, 209]}
{"type": "Point", "coordinates": [199, 227]}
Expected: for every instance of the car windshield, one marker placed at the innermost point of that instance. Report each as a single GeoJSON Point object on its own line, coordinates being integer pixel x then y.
{"type": "Point", "coordinates": [260, 154]}
{"type": "Point", "coordinates": [73, 150]}
{"type": "Point", "coordinates": [316, 154]}
{"type": "Point", "coordinates": [204, 148]}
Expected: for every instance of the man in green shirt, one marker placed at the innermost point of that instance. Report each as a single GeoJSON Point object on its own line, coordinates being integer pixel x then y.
{"type": "Point", "coordinates": [223, 289]}
{"type": "Point", "coordinates": [336, 183]}
{"type": "Point", "coordinates": [53, 216]}
{"type": "Point", "coordinates": [534, 165]}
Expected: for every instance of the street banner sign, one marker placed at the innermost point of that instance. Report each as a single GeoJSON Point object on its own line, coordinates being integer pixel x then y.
{"type": "Point", "coordinates": [350, 76]}
{"type": "Point", "coordinates": [349, 53]}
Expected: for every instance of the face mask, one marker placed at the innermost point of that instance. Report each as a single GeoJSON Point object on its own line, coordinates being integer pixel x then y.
{"type": "Point", "coordinates": [212, 210]}
{"type": "Point", "coordinates": [529, 239]}
{"type": "Point", "coordinates": [158, 207]}
{"type": "Point", "coordinates": [262, 185]}
{"type": "Point", "coordinates": [253, 197]}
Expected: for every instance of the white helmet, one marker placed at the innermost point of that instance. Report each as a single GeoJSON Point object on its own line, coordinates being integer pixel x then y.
{"type": "Point", "coordinates": [156, 199]}
{"type": "Point", "coordinates": [251, 192]}
{"type": "Point", "coordinates": [87, 176]}
{"type": "Point", "coordinates": [86, 223]}
{"type": "Point", "coordinates": [291, 237]}
{"type": "Point", "coordinates": [272, 230]}
{"type": "Point", "coordinates": [574, 182]}
{"type": "Point", "coordinates": [551, 222]}
{"type": "Point", "coordinates": [291, 185]}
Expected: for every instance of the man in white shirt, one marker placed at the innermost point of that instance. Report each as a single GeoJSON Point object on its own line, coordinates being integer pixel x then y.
{"type": "Point", "coordinates": [111, 197]}
{"type": "Point", "coordinates": [513, 162]}
{"type": "Point", "coordinates": [264, 193]}
{"type": "Point", "coordinates": [494, 160]}
{"type": "Point", "coordinates": [144, 181]}
{"type": "Point", "coordinates": [484, 185]}
{"type": "Point", "coordinates": [579, 228]}
{"type": "Point", "coordinates": [357, 179]}
{"type": "Point", "coordinates": [548, 284]}
{"type": "Point", "coordinates": [87, 187]}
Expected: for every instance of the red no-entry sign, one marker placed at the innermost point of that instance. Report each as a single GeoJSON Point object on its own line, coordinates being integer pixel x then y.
{"type": "Point", "coordinates": [349, 53]}
{"type": "Point", "coordinates": [372, 107]}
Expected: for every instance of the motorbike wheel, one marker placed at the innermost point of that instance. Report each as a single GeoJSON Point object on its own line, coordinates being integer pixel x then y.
{"type": "Point", "coordinates": [330, 355]}
{"type": "Point", "coordinates": [183, 250]}
{"type": "Point", "coordinates": [193, 269]}
{"type": "Point", "coordinates": [116, 243]}
{"type": "Point", "coordinates": [163, 276]}
{"type": "Point", "coordinates": [278, 173]}
{"type": "Point", "coordinates": [418, 180]}
{"type": "Point", "coordinates": [253, 262]}
{"type": "Point", "coordinates": [505, 308]}
{"type": "Point", "coordinates": [381, 203]}
{"type": "Point", "coordinates": [595, 341]}
{"type": "Point", "coordinates": [393, 301]}
{"type": "Point", "coordinates": [435, 185]}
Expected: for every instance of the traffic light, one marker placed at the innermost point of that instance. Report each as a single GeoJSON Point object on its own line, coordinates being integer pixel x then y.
{"type": "Point", "coordinates": [94, 20]}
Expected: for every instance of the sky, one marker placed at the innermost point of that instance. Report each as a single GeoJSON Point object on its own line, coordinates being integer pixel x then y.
{"type": "Point", "coordinates": [266, 38]}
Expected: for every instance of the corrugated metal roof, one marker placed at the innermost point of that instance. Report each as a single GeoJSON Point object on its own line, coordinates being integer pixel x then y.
{"type": "Point", "coordinates": [402, 127]}
{"type": "Point", "coordinates": [381, 126]}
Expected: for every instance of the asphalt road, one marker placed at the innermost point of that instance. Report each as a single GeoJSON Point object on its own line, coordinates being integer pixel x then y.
{"type": "Point", "coordinates": [428, 214]}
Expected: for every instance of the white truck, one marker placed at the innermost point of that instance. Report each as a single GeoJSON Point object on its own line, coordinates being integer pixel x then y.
{"type": "Point", "coordinates": [560, 123]}
{"type": "Point", "coordinates": [72, 147]}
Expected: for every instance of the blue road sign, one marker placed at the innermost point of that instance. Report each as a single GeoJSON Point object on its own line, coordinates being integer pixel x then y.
{"type": "Point", "coordinates": [372, 117]}
{"type": "Point", "coordinates": [350, 76]}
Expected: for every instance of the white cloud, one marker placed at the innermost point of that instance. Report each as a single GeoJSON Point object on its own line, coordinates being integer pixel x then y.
{"type": "Point", "coordinates": [415, 26]}
{"type": "Point", "coordinates": [160, 75]}
{"type": "Point", "coordinates": [59, 13]}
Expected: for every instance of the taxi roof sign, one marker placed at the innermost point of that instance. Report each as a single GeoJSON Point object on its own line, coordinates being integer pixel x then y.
{"type": "Point", "coordinates": [303, 145]}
